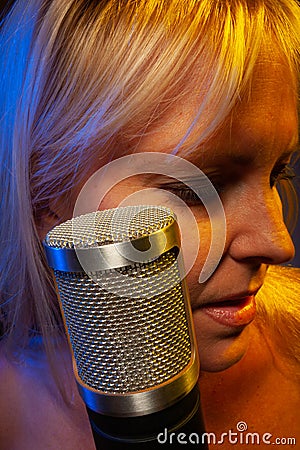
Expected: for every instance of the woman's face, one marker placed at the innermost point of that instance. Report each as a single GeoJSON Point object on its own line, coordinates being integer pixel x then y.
{"type": "Point", "coordinates": [243, 160]}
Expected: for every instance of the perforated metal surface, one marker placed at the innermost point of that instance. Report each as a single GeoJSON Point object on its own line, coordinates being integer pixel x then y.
{"type": "Point", "coordinates": [128, 327]}
{"type": "Point", "coordinates": [109, 226]}
{"type": "Point", "coordinates": [124, 344]}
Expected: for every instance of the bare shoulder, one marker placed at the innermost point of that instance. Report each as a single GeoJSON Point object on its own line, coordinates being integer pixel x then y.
{"type": "Point", "coordinates": [33, 413]}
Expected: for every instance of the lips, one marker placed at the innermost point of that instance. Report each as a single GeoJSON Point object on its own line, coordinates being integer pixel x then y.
{"type": "Point", "coordinates": [232, 311]}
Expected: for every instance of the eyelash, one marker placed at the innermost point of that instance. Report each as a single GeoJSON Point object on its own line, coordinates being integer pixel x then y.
{"type": "Point", "coordinates": [187, 194]}
{"type": "Point", "coordinates": [280, 173]}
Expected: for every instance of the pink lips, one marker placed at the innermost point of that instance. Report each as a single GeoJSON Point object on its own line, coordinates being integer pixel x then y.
{"type": "Point", "coordinates": [233, 313]}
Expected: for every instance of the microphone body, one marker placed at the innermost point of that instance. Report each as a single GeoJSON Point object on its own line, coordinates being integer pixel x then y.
{"type": "Point", "coordinates": [125, 306]}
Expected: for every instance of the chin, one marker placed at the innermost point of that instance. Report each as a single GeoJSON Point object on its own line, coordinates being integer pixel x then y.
{"type": "Point", "coordinates": [218, 353]}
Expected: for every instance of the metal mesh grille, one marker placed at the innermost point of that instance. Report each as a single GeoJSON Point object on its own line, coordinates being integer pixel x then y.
{"type": "Point", "coordinates": [125, 344]}
{"type": "Point", "coordinates": [109, 226]}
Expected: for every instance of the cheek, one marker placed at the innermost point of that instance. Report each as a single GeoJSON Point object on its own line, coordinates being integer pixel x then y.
{"type": "Point", "coordinates": [204, 243]}
{"type": "Point", "coordinates": [194, 223]}
{"type": "Point", "coordinates": [118, 194]}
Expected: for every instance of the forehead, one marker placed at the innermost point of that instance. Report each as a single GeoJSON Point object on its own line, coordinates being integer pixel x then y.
{"type": "Point", "coordinates": [265, 115]}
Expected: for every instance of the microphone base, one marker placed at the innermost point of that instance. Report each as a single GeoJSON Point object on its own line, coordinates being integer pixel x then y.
{"type": "Point", "coordinates": [179, 424]}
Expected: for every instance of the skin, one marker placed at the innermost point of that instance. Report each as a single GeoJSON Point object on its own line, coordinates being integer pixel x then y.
{"type": "Point", "coordinates": [245, 392]}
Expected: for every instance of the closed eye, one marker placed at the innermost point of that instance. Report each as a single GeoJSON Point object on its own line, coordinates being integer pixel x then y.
{"type": "Point", "coordinates": [193, 191]}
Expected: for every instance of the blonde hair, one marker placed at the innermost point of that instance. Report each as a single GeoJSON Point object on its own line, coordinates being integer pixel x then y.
{"type": "Point", "coordinates": [278, 305]}
{"type": "Point", "coordinates": [79, 77]}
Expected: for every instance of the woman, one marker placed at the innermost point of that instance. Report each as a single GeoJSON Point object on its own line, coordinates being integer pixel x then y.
{"type": "Point", "coordinates": [215, 82]}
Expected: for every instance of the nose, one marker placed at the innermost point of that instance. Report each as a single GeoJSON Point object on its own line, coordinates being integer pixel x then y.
{"type": "Point", "coordinates": [259, 233]}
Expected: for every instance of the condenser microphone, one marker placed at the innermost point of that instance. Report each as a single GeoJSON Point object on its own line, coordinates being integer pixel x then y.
{"type": "Point", "coordinates": [125, 305]}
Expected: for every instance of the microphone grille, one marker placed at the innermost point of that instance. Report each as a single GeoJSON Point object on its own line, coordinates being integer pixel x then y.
{"type": "Point", "coordinates": [109, 226]}
{"type": "Point", "coordinates": [128, 326]}
{"type": "Point", "coordinates": [126, 344]}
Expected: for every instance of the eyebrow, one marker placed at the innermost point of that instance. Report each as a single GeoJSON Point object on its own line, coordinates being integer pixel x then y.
{"type": "Point", "coordinates": [243, 160]}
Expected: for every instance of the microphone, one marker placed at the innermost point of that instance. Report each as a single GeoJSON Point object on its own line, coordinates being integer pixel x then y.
{"type": "Point", "coordinates": [125, 306]}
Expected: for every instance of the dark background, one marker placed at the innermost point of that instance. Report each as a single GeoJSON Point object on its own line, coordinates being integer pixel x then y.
{"type": "Point", "coordinates": [296, 234]}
